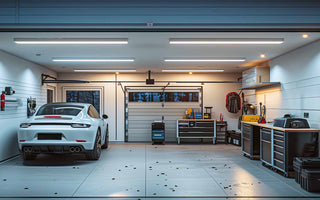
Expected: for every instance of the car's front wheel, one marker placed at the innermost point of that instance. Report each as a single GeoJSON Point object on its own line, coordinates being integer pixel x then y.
{"type": "Point", "coordinates": [96, 152]}
{"type": "Point", "coordinates": [28, 156]}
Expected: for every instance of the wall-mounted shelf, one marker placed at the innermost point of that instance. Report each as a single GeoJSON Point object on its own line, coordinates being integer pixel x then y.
{"type": "Point", "coordinates": [13, 102]}
{"type": "Point", "coordinates": [260, 85]}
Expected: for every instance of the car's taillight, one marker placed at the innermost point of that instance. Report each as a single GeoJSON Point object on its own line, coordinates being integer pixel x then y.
{"type": "Point", "coordinates": [78, 125]}
{"type": "Point", "coordinates": [25, 125]}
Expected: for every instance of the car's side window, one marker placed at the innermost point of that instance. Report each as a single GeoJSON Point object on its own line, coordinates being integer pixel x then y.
{"type": "Point", "coordinates": [93, 113]}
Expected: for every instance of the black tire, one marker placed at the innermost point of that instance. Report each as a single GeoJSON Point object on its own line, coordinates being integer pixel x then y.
{"type": "Point", "coordinates": [96, 152]}
{"type": "Point", "coordinates": [106, 141]}
{"type": "Point", "coordinates": [28, 156]}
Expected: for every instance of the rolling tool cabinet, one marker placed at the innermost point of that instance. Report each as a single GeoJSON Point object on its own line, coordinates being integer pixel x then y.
{"type": "Point", "coordinates": [196, 128]}
{"type": "Point", "coordinates": [222, 129]}
{"type": "Point", "coordinates": [250, 140]}
{"type": "Point", "coordinates": [158, 132]}
{"type": "Point", "coordinates": [279, 146]}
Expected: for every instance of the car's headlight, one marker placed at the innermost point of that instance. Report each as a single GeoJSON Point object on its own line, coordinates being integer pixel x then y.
{"type": "Point", "coordinates": [25, 125]}
{"type": "Point", "coordinates": [78, 125]}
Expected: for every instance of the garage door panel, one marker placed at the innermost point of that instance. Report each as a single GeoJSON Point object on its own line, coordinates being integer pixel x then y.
{"type": "Point", "coordinates": [141, 115]}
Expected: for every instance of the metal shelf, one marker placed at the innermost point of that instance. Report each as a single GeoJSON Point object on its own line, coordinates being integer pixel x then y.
{"type": "Point", "coordinates": [260, 85]}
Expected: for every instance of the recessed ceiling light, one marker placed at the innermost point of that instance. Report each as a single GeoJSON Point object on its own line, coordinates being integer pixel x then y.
{"type": "Point", "coordinates": [262, 55]}
{"type": "Point", "coordinates": [92, 59]}
{"type": "Point", "coordinates": [71, 40]}
{"type": "Point", "coordinates": [207, 60]}
{"type": "Point", "coordinates": [226, 40]}
{"type": "Point", "coordinates": [105, 70]}
{"type": "Point", "coordinates": [188, 70]}
{"type": "Point", "coordinates": [190, 73]}
{"type": "Point", "coordinates": [305, 35]}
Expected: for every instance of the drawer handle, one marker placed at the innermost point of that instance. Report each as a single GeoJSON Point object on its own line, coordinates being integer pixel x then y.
{"type": "Point", "coordinates": [278, 146]}
{"type": "Point", "coordinates": [278, 140]}
{"type": "Point", "coordinates": [280, 161]}
{"type": "Point", "coordinates": [278, 152]}
{"type": "Point", "coordinates": [266, 141]}
{"type": "Point", "coordinates": [278, 135]}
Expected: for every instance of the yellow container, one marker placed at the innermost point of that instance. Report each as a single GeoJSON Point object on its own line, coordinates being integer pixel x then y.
{"type": "Point", "coordinates": [250, 118]}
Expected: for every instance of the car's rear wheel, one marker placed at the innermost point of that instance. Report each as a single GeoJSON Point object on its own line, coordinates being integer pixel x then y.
{"type": "Point", "coordinates": [96, 152]}
{"type": "Point", "coordinates": [106, 141]}
{"type": "Point", "coordinates": [28, 156]}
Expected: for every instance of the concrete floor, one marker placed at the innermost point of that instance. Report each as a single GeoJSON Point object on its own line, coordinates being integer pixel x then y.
{"type": "Point", "coordinates": [145, 171]}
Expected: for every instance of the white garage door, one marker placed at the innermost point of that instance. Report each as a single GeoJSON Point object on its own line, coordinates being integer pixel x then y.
{"type": "Point", "coordinates": [140, 115]}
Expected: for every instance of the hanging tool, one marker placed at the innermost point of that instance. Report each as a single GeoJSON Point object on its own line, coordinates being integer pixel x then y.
{"type": "Point", "coordinates": [262, 119]}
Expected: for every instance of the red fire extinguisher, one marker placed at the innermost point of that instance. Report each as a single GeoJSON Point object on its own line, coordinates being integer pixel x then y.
{"type": "Point", "coordinates": [3, 97]}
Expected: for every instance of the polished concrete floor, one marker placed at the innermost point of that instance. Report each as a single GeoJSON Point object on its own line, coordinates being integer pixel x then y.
{"type": "Point", "coordinates": [145, 171]}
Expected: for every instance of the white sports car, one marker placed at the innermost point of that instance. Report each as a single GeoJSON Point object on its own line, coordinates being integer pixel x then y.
{"type": "Point", "coordinates": [64, 128]}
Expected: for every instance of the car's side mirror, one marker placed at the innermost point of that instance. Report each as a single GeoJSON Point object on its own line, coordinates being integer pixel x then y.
{"type": "Point", "coordinates": [104, 116]}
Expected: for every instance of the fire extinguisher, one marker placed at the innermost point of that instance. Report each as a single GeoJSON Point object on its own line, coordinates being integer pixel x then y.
{"type": "Point", "coordinates": [2, 101]}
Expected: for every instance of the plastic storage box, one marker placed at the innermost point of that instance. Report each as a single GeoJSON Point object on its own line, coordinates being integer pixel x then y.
{"type": "Point", "coordinates": [310, 180]}
{"type": "Point", "coordinates": [300, 163]}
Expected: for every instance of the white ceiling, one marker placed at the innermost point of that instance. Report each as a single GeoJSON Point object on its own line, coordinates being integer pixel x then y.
{"type": "Point", "coordinates": [149, 49]}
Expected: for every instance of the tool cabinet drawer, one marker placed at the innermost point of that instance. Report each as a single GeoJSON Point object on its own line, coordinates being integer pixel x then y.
{"type": "Point", "coordinates": [278, 148]}
{"type": "Point", "coordinates": [265, 135]}
{"type": "Point", "coordinates": [278, 137]}
{"type": "Point", "coordinates": [278, 155]}
{"type": "Point", "coordinates": [278, 163]}
{"type": "Point", "coordinates": [278, 142]}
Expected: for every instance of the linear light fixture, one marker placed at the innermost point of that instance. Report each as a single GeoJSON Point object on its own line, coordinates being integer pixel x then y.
{"type": "Point", "coordinates": [187, 70]}
{"type": "Point", "coordinates": [226, 41]}
{"type": "Point", "coordinates": [206, 60]}
{"type": "Point", "coordinates": [71, 40]}
{"type": "Point", "coordinates": [104, 70]}
{"type": "Point", "coordinates": [92, 59]}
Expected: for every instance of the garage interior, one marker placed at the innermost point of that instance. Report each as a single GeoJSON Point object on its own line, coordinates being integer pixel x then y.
{"type": "Point", "coordinates": [145, 65]}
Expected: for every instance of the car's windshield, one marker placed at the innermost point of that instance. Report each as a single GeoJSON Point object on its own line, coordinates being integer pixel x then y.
{"type": "Point", "coordinates": [52, 109]}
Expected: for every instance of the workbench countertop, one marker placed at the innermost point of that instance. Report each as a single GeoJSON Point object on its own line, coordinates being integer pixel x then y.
{"type": "Point", "coordinates": [208, 120]}
{"type": "Point", "coordinates": [270, 125]}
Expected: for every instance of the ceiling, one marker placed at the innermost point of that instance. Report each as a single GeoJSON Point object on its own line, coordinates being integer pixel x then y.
{"type": "Point", "coordinates": [150, 49]}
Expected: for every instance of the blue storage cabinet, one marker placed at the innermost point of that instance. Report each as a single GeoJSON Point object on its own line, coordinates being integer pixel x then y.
{"type": "Point", "coordinates": [158, 132]}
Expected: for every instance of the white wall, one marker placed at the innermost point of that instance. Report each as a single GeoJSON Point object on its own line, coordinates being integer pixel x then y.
{"type": "Point", "coordinates": [214, 94]}
{"type": "Point", "coordinates": [25, 78]}
{"type": "Point", "coordinates": [299, 74]}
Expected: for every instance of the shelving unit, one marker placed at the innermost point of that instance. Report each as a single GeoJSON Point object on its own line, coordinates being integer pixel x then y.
{"type": "Point", "coordinates": [13, 102]}
{"type": "Point", "coordinates": [196, 128]}
{"type": "Point", "coordinates": [222, 128]}
{"type": "Point", "coordinates": [260, 85]}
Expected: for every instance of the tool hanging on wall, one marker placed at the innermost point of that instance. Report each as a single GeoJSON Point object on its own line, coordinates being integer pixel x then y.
{"type": "Point", "coordinates": [31, 106]}
{"type": "Point", "coordinates": [3, 101]}
{"type": "Point", "coordinates": [262, 119]}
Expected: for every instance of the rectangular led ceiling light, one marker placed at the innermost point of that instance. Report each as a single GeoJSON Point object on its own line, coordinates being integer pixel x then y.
{"type": "Point", "coordinates": [186, 70]}
{"type": "Point", "coordinates": [226, 41]}
{"type": "Point", "coordinates": [104, 70]}
{"type": "Point", "coordinates": [92, 59]}
{"type": "Point", "coordinates": [207, 60]}
{"type": "Point", "coordinates": [71, 40]}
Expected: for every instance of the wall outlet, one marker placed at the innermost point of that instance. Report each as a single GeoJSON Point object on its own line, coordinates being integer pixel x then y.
{"type": "Point", "coordinates": [306, 115]}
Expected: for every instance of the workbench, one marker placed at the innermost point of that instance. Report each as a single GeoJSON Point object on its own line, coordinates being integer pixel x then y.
{"type": "Point", "coordinates": [278, 146]}
{"type": "Point", "coordinates": [197, 128]}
